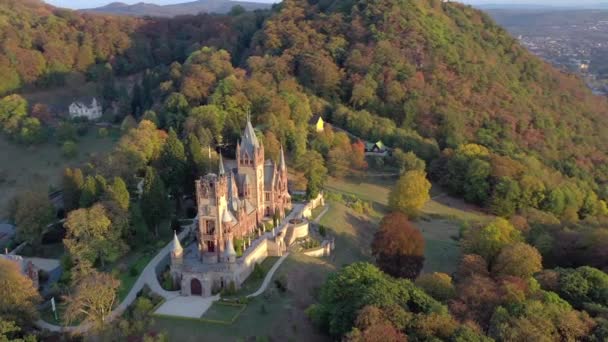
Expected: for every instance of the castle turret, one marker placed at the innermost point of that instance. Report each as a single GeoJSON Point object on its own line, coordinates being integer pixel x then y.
{"type": "Point", "coordinates": [177, 259]}
{"type": "Point", "coordinates": [177, 252]}
{"type": "Point", "coordinates": [229, 252]}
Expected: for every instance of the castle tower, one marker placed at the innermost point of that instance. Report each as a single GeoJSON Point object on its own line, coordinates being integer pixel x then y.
{"type": "Point", "coordinates": [250, 162]}
{"type": "Point", "coordinates": [212, 199]}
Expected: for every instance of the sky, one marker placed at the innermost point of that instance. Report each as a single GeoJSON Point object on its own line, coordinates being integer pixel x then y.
{"type": "Point", "coordinates": [97, 3]}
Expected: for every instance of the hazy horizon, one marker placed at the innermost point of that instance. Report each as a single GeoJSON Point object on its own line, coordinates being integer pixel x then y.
{"type": "Point", "coordinates": [78, 4]}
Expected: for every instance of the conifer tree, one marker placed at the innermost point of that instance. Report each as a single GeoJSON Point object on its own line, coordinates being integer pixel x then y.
{"type": "Point", "coordinates": [172, 163]}
{"type": "Point", "coordinates": [154, 201]}
{"type": "Point", "coordinates": [72, 184]}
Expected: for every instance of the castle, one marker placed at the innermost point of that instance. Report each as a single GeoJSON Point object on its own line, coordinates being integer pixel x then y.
{"type": "Point", "coordinates": [233, 204]}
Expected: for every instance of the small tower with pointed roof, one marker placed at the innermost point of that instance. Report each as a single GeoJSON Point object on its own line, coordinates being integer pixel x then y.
{"type": "Point", "coordinates": [229, 252]}
{"type": "Point", "coordinates": [177, 252]}
{"type": "Point", "coordinates": [177, 258]}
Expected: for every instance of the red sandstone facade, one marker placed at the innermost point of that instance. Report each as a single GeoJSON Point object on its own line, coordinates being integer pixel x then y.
{"type": "Point", "coordinates": [233, 203]}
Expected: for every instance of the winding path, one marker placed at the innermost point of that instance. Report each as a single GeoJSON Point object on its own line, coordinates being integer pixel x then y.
{"type": "Point", "coordinates": [320, 216]}
{"type": "Point", "coordinates": [148, 276]}
{"type": "Point", "coordinates": [269, 276]}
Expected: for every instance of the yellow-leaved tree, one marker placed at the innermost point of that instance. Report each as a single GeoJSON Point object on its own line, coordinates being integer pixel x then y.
{"type": "Point", "coordinates": [410, 193]}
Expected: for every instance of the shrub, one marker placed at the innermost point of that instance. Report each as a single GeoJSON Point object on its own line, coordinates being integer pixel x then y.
{"type": "Point", "coordinates": [69, 149]}
{"type": "Point", "coordinates": [322, 230]}
{"type": "Point", "coordinates": [133, 271]}
{"type": "Point", "coordinates": [281, 283]}
{"type": "Point", "coordinates": [258, 272]}
{"type": "Point", "coordinates": [102, 132]}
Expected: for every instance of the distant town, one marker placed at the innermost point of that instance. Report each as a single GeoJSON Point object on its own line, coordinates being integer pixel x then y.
{"type": "Point", "coordinates": [571, 40]}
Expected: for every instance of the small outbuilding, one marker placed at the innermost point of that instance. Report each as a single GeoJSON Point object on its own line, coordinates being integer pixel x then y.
{"type": "Point", "coordinates": [317, 123]}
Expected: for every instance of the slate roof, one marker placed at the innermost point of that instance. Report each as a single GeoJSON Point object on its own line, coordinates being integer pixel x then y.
{"type": "Point", "coordinates": [250, 141]}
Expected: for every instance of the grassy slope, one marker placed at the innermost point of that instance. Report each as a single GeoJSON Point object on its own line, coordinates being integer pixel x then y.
{"type": "Point", "coordinates": [440, 222]}
{"type": "Point", "coordinates": [40, 166]}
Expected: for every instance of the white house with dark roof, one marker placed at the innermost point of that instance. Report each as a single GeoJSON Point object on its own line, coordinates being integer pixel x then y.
{"type": "Point", "coordinates": [81, 110]}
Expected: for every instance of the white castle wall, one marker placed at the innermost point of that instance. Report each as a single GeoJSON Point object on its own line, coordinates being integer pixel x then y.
{"type": "Point", "coordinates": [296, 231]}
{"type": "Point", "coordinates": [307, 211]}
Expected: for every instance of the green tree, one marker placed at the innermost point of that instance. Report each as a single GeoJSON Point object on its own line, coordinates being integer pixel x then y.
{"type": "Point", "coordinates": [209, 117]}
{"type": "Point", "coordinates": [154, 201]}
{"type": "Point", "coordinates": [90, 236]}
{"type": "Point", "coordinates": [476, 184]}
{"type": "Point", "coordinates": [34, 212]}
{"type": "Point", "coordinates": [518, 260]}
{"type": "Point", "coordinates": [118, 192]}
{"type": "Point", "coordinates": [410, 193]}
{"type": "Point", "coordinates": [437, 285]}
{"type": "Point", "coordinates": [489, 240]}
{"type": "Point", "coordinates": [18, 297]}
{"type": "Point", "coordinates": [408, 161]}
{"type": "Point", "coordinates": [175, 111]}
{"type": "Point", "coordinates": [69, 149]}
{"type": "Point", "coordinates": [398, 247]}
{"type": "Point", "coordinates": [358, 285]}
{"type": "Point", "coordinates": [13, 109]}
{"type": "Point", "coordinates": [172, 163]}
{"type": "Point", "coordinates": [314, 171]}
{"type": "Point", "coordinates": [72, 183]}
{"type": "Point", "coordinates": [506, 198]}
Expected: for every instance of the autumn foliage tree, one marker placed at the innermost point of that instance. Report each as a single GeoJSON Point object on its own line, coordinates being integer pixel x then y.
{"type": "Point", "coordinates": [91, 237]}
{"type": "Point", "coordinates": [92, 299]}
{"type": "Point", "coordinates": [18, 297]}
{"type": "Point", "coordinates": [518, 260]}
{"type": "Point", "coordinates": [34, 212]}
{"type": "Point", "coordinates": [410, 193]}
{"type": "Point", "coordinates": [489, 240]}
{"type": "Point", "coordinates": [373, 325]}
{"type": "Point", "coordinates": [398, 247]}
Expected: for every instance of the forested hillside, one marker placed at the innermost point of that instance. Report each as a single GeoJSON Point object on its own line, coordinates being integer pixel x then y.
{"type": "Point", "coordinates": [444, 70]}
{"type": "Point", "coordinates": [40, 45]}
{"type": "Point", "coordinates": [456, 97]}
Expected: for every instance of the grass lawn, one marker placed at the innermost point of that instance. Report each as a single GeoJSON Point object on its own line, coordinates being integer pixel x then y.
{"type": "Point", "coordinates": [439, 224]}
{"type": "Point", "coordinates": [47, 315]}
{"type": "Point", "coordinates": [442, 251]}
{"type": "Point", "coordinates": [252, 283]}
{"type": "Point", "coordinates": [223, 313]}
{"type": "Point", "coordinates": [23, 167]}
{"type": "Point", "coordinates": [137, 262]}
{"type": "Point", "coordinates": [316, 212]}
{"type": "Point", "coordinates": [51, 251]}
{"type": "Point", "coordinates": [273, 315]}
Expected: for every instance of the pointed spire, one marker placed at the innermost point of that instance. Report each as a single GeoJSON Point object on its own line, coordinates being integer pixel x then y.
{"type": "Point", "coordinates": [177, 246]}
{"type": "Point", "coordinates": [250, 140]}
{"type": "Point", "coordinates": [282, 165]}
{"type": "Point", "coordinates": [222, 171]}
